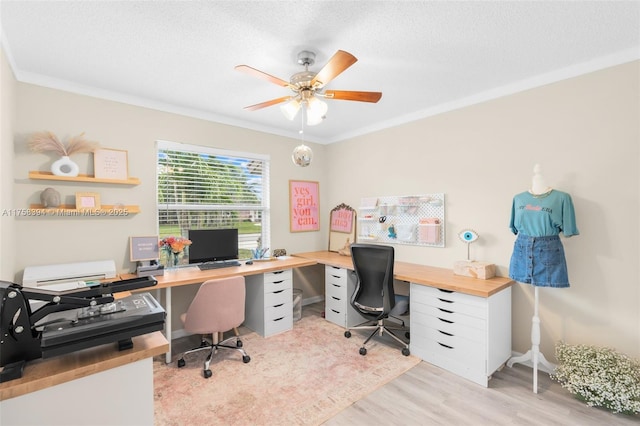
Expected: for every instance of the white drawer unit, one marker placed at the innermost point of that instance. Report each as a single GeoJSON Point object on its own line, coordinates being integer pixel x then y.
{"type": "Point", "coordinates": [269, 302]}
{"type": "Point", "coordinates": [340, 283]}
{"type": "Point", "coordinates": [465, 334]}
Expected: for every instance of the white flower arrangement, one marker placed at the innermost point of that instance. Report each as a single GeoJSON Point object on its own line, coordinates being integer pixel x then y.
{"type": "Point", "coordinates": [601, 377]}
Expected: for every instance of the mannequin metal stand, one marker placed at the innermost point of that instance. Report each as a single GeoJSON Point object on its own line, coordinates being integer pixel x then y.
{"type": "Point", "coordinates": [534, 353]}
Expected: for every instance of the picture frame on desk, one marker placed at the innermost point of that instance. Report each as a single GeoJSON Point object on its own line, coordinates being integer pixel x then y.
{"type": "Point", "coordinates": [143, 248]}
{"type": "Point", "coordinates": [304, 206]}
{"type": "Point", "coordinates": [342, 227]}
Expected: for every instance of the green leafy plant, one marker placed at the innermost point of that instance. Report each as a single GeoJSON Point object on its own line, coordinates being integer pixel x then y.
{"type": "Point", "coordinates": [601, 377]}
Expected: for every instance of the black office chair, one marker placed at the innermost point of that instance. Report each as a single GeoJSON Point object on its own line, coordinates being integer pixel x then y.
{"type": "Point", "coordinates": [374, 297]}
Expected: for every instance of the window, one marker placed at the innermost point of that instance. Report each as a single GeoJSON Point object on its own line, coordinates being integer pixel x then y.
{"type": "Point", "coordinates": [206, 188]}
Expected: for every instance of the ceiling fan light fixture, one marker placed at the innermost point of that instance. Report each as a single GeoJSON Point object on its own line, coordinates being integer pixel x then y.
{"type": "Point", "coordinates": [316, 111]}
{"type": "Point", "coordinates": [291, 108]}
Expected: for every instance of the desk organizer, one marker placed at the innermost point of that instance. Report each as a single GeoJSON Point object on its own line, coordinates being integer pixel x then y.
{"type": "Point", "coordinates": [407, 219]}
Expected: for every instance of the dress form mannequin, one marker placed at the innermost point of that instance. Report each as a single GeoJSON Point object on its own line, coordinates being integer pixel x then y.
{"type": "Point", "coordinates": [538, 187]}
{"type": "Point", "coordinates": [538, 184]}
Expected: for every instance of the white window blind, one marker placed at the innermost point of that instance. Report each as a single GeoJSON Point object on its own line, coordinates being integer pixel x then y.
{"type": "Point", "coordinates": [206, 188]}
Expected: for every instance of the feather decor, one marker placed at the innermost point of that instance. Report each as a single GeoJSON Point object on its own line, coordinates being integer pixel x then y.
{"type": "Point", "coordinates": [48, 142]}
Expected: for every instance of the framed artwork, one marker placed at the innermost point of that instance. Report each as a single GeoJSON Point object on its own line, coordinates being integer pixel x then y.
{"type": "Point", "coordinates": [111, 164]}
{"type": "Point", "coordinates": [87, 200]}
{"type": "Point", "coordinates": [304, 205]}
{"type": "Point", "coordinates": [342, 227]}
{"type": "Point", "coordinates": [143, 248]}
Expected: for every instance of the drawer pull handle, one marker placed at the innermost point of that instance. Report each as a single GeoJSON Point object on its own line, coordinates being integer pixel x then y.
{"type": "Point", "coordinates": [335, 276]}
{"type": "Point", "coordinates": [335, 298]}
{"type": "Point", "coordinates": [334, 267]}
{"type": "Point", "coordinates": [278, 319]}
{"type": "Point", "coordinates": [277, 306]}
{"type": "Point", "coordinates": [279, 291]}
{"type": "Point", "coordinates": [445, 291]}
{"type": "Point", "coordinates": [278, 272]}
{"type": "Point", "coordinates": [278, 282]}
{"type": "Point", "coordinates": [445, 333]}
{"type": "Point", "coordinates": [335, 311]}
{"type": "Point", "coordinates": [444, 320]}
{"type": "Point", "coordinates": [444, 310]}
{"type": "Point", "coordinates": [446, 346]}
{"type": "Point", "coordinates": [445, 300]}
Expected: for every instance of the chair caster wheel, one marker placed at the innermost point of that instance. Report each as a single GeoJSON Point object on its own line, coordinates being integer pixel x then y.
{"type": "Point", "coordinates": [347, 334]}
{"type": "Point", "coordinates": [405, 351]}
{"type": "Point", "coordinates": [181, 363]}
{"type": "Point", "coordinates": [238, 343]}
{"type": "Point", "coordinates": [363, 351]}
{"type": "Point", "coordinates": [246, 358]}
{"type": "Point", "coordinates": [207, 374]}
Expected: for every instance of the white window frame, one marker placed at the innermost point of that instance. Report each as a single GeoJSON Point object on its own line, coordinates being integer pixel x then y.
{"type": "Point", "coordinates": [265, 209]}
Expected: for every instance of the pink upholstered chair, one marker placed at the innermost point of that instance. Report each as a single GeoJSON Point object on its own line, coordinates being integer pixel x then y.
{"type": "Point", "coordinates": [217, 307]}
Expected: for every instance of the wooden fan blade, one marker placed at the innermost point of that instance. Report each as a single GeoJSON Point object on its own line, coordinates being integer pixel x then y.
{"type": "Point", "coordinates": [338, 63]}
{"type": "Point", "coordinates": [263, 75]}
{"type": "Point", "coordinates": [268, 103]}
{"type": "Point", "coordinates": [347, 95]}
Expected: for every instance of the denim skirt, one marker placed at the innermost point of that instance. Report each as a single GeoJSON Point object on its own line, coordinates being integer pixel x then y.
{"type": "Point", "coordinates": [539, 261]}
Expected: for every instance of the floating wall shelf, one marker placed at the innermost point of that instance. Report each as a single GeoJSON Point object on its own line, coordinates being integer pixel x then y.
{"type": "Point", "coordinates": [70, 210]}
{"type": "Point", "coordinates": [81, 178]}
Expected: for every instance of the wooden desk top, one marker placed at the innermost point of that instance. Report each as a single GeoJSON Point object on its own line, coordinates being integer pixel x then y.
{"type": "Point", "coordinates": [192, 275]}
{"type": "Point", "coordinates": [422, 274]}
{"type": "Point", "coordinates": [43, 373]}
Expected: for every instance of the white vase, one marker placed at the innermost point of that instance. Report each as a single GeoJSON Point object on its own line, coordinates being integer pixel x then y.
{"type": "Point", "coordinates": [64, 167]}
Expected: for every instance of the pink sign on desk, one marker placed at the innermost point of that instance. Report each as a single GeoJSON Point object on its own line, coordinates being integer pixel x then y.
{"type": "Point", "coordinates": [341, 220]}
{"type": "Point", "coordinates": [304, 206]}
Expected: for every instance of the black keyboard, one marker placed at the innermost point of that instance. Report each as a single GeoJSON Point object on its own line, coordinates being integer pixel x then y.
{"type": "Point", "coordinates": [217, 265]}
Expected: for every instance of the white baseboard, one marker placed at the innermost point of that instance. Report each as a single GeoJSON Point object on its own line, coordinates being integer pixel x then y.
{"type": "Point", "coordinates": [312, 300]}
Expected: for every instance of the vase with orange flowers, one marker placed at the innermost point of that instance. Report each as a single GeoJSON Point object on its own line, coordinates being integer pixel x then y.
{"type": "Point", "coordinates": [173, 249]}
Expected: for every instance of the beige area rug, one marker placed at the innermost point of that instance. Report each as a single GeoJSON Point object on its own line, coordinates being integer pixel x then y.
{"type": "Point", "coordinates": [301, 377]}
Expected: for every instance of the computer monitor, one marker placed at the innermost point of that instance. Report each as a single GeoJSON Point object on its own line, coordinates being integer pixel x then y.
{"type": "Point", "coordinates": [208, 245]}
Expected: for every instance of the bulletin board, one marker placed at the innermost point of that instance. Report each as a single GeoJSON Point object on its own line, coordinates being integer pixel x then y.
{"type": "Point", "coordinates": [304, 205]}
{"type": "Point", "coordinates": [407, 219]}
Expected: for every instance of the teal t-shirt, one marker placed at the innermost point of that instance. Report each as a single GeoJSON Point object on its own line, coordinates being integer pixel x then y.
{"type": "Point", "coordinates": [543, 215]}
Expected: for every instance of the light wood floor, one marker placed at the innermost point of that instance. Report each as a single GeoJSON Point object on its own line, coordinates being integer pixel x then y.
{"type": "Point", "coordinates": [428, 395]}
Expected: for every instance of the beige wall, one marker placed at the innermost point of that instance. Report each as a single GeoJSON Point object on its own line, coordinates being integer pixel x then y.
{"type": "Point", "coordinates": [584, 132]}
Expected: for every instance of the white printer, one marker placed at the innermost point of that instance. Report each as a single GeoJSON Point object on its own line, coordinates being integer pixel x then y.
{"type": "Point", "coordinates": [66, 276]}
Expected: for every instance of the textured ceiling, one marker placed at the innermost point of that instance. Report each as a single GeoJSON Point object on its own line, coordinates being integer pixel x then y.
{"type": "Point", "coordinates": [426, 57]}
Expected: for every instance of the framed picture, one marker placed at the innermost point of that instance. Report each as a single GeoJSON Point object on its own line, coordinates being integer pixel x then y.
{"type": "Point", "coordinates": [304, 205]}
{"type": "Point", "coordinates": [342, 219]}
{"type": "Point", "coordinates": [342, 227]}
{"type": "Point", "coordinates": [111, 164]}
{"type": "Point", "coordinates": [87, 200]}
{"type": "Point", "coordinates": [143, 248]}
